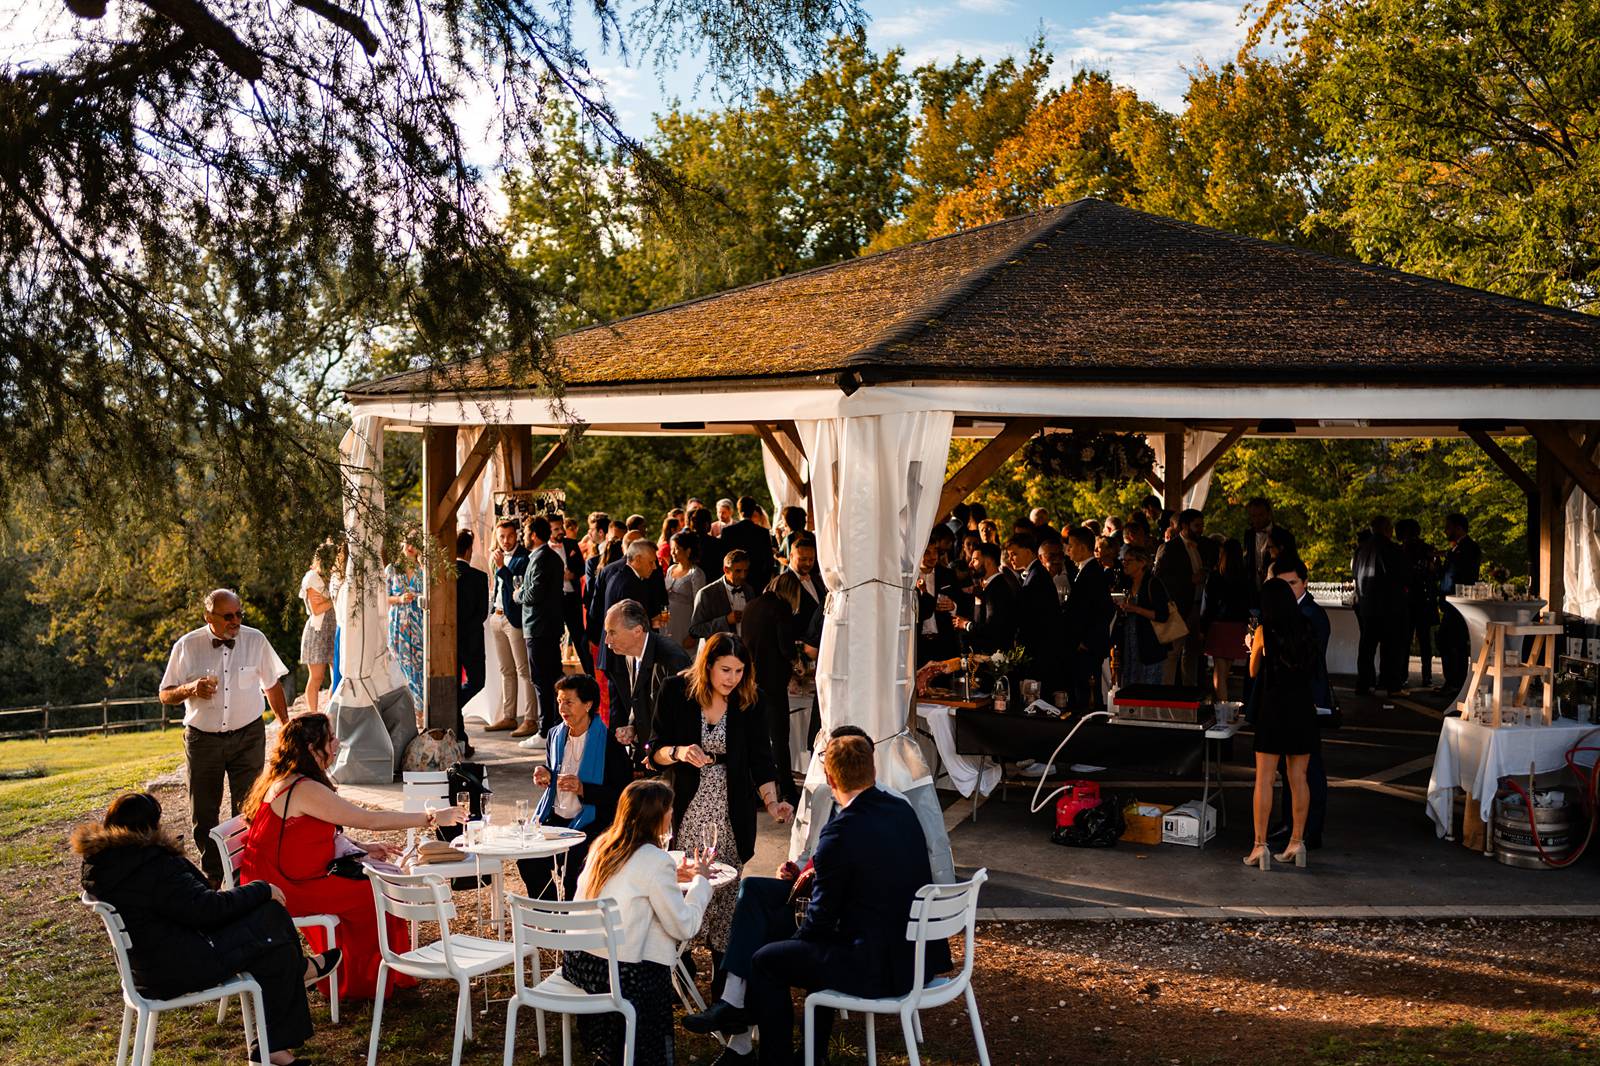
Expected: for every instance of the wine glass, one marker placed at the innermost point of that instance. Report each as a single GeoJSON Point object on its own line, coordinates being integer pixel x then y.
{"type": "Point", "coordinates": [483, 810]}
{"type": "Point", "coordinates": [522, 817]}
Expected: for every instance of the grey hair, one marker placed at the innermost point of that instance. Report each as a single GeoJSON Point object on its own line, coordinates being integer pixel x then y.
{"type": "Point", "coordinates": [641, 547]}
{"type": "Point", "coordinates": [1135, 551]}
{"type": "Point", "coordinates": [216, 594]}
{"type": "Point", "coordinates": [630, 613]}
{"type": "Point", "coordinates": [725, 502]}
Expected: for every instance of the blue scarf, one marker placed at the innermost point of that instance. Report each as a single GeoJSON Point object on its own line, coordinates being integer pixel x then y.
{"type": "Point", "coordinates": [591, 768]}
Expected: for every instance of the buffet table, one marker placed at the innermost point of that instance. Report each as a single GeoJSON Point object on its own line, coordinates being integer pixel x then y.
{"type": "Point", "coordinates": [1475, 757]}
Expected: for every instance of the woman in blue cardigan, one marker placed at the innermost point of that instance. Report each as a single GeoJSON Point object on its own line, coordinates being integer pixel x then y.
{"type": "Point", "coordinates": [584, 774]}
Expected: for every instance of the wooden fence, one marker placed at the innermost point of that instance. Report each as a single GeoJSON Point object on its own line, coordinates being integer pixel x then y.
{"type": "Point", "coordinates": [78, 719]}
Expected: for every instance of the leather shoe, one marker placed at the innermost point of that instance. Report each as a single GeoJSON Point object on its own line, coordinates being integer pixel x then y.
{"type": "Point", "coordinates": [721, 1017]}
{"type": "Point", "coordinates": [500, 726]}
{"type": "Point", "coordinates": [526, 729]}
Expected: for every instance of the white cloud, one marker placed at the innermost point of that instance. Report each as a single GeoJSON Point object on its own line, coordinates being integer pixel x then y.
{"type": "Point", "coordinates": [908, 24]}
{"type": "Point", "coordinates": [986, 7]}
{"type": "Point", "coordinates": [944, 50]}
{"type": "Point", "coordinates": [1149, 46]}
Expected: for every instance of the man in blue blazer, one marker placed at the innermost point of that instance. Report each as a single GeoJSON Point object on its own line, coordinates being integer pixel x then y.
{"type": "Point", "coordinates": [507, 563]}
{"type": "Point", "coordinates": [1293, 572]}
{"type": "Point", "coordinates": [543, 619]}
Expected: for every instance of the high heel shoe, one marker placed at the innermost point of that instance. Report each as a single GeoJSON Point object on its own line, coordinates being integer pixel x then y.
{"type": "Point", "coordinates": [1295, 853]}
{"type": "Point", "coordinates": [1260, 856]}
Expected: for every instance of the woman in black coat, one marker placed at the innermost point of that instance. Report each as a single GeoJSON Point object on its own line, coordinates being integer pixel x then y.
{"type": "Point", "coordinates": [712, 743]}
{"type": "Point", "coordinates": [768, 629]}
{"type": "Point", "coordinates": [1143, 656]}
{"type": "Point", "coordinates": [186, 937]}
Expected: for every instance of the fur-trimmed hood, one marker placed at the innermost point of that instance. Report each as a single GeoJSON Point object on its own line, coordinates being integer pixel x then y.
{"type": "Point", "coordinates": [92, 839]}
{"type": "Point", "coordinates": [113, 857]}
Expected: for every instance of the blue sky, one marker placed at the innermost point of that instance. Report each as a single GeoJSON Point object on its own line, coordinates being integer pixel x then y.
{"type": "Point", "coordinates": [1147, 45]}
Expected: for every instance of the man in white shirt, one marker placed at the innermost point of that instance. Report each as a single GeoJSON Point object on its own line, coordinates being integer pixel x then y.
{"type": "Point", "coordinates": [219, 672]}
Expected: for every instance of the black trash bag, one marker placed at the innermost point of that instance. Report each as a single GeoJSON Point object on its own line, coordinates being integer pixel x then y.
{"type": "Point", "coordinates": [466, 777]}
{"type": "Point", "coordinates": [1094, 827]}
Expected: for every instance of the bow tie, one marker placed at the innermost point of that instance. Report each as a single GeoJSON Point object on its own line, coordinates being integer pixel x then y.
{"type": "Point", "coordinates": [216, 643]}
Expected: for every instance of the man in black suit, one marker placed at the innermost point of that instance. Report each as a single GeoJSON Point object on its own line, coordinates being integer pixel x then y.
{"type": "Point", "coordinates": [628, 579]}
{"type": "Point", "coordinates": [542, 622]}
{"type": "Point", "coordinates": [1380, 570]}
{"type": "Point", "coordinates": [1258, 512]}
{"type": "Point", "coordinates": [640, 662]}
{"type": "Point", "coordinates": [572, 566]}
{"type": "Point", "coordinates": [936, 605]}
{"type": "Point", "coordinates": [472, 607]}
{"type": "Point", "coordinates": [1087, 615]}
{"type": "Point", "coordinates": [592, 615]}
{"type": "Point", "coordinates": [1293, 572]}
{"type": "Point", "coordinates": [992, 624]}
{"type": "Point", "coordinates": [1038, 614]}
{"type": "Point", "coordinates": [1461, 565]}
{"type": "Point", "coordinates": [755, 541]}
{"type": "Point", "coordinates": [803, 564]}
{"type": "Point", "coordinates": [871, 859]}
{"type": "Point", "coordinates": [1181, 567]}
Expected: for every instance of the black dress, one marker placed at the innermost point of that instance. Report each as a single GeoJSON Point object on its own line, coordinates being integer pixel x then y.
{"type": "Point", "coordinates": [1285, 713]}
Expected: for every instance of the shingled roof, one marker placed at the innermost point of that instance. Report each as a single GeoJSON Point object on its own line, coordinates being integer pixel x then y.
{"type": "Point", "coordinates": [1087, 292]}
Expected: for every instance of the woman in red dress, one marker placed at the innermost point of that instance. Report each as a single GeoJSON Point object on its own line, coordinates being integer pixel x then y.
{"type": "Point", "coordinates": [294, 813]}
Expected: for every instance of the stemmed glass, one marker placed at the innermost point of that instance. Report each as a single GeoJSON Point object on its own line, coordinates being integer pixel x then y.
{"type": "Point", "coordinates": [522, 819]}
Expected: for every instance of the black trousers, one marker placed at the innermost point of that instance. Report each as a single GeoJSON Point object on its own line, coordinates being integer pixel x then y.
{"type": "Point", "coordinates": [776, 970]}
{"type": "Point", "coordinates": [1422, 620]}
{"type": "Point", "coordinates": [544, 664]}
{"type": "Point", "coordinates": [539, 874]}
{"type": "Point", "coordinates": [1383, 655]}
{"type": "Point", "coordinates": [474, 668]}
{"type": "Point", "coordinates": [776, 709]}
{"type": "Point", "coordinates": [572, 615]}
{"type": "Point", "coordinates": [236, 756]}
{"type": "Point", "coordinates": [761, 916]}
{"type": "Point", "coordinates": [1455, 646]}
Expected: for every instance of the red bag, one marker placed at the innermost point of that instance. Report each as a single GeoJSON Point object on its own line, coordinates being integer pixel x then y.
{"type": "Point", "coordinates": [1079, 796]}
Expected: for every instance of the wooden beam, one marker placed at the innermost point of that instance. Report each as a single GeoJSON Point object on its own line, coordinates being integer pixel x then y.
{"type": "Point", "coordinates": [518, 452]}
{"type": "Point", "coordinates": [546, 465]}
{"type": "Point", "coordinates": [443, 686]}
{"type": "Point", "coordinates": [1211, 458]}
{"type": "Point", "coordinates": [1001, 446]}
{"type": "Point", "coordinates": [1508, 466]}
{"type": "Point", "coordinates": [1552, 532]}
{"type": "Point", "coordinates": [1172, 473]}
{"type": "Point", "coordinates": [780, 456]}
{"type": "Point", "coordinates": [477, 461]}
{"type": "Point", "coordinates": [1554, 438]}
{"type": "Point", "coordinates": [791, 431]}
{"type": "Point", "coordinates": [1155, 481]}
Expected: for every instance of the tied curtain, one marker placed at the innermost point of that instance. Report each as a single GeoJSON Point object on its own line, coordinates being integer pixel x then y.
{"type": "Point", "coordinates": [875, 483]}
{"type": "Point", "coordinates": [371, 709]}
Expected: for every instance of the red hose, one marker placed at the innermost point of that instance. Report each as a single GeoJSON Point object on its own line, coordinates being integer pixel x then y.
{"type": "Point", "coordinates": [1588, 795]}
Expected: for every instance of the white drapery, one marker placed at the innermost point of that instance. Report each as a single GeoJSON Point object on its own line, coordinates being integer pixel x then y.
{"type": "Point", "coordinates": [477, 514]}
{"type": "Point", "coordinates": [875, 481]}
{"type": "Point", "coordinates": [1582, 571]}
{"type": "Point", "coordinates": [1197, 443]}
{"type": "Point", "coordinates": [371, 710]}
{"type": "Point", "coordinates": [785, 493]}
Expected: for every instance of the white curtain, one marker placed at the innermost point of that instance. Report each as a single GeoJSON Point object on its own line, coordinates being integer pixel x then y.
{"type": "Point", "coordinates": [785, 493]}
{"type": "Point", "coordinates": [875, 481]}
{"type": "Point", "coordinates": [1582, 571]}
{"type": "Point", "coordinates": [477, 514]}
{"type": "Point", "coordinates": [1197, 443]}
{"type": "Point", "coordinates": [371, 710]}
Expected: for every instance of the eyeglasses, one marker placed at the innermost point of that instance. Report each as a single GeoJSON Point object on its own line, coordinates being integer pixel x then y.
{"type": "Point", "coordinates": [230, 616]}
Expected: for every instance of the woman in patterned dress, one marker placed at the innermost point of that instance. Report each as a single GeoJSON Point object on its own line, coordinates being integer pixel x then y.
{"type": "Point", "coordinates": [406, 602]}
{"type": "Point", "coordinates": [711, 740]}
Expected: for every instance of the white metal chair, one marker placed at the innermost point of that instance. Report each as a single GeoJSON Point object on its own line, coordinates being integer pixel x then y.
{"type": "Point", "coordinates": [425, 787]}
{"type": "Point", "coordinates": [565, 925]}
{"type": "Point", "coordinates": [136, 1005]}
{"type": "Point", "coordinates": [229, 839]}
{"type": "Point", "coordinates": [426, 898]}
{"type": "Point", "coordinates": [939, 911]}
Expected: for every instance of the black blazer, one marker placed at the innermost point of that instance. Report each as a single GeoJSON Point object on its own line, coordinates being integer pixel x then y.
{"type": "Point", "coordinates": [636, 706]}
{"type": "Point", "coordinates": [757, 543]}
{"type": "Point", "coordinates": [1088, 610]}
{"type": "Point", "coordinates": [185, 936]}
{"type": "Point", "coordinates": [1257, 562]}
{"type": "Point", "coordinates": [943, 644]}
{"type": "Point", "coordinates": [618, 582]}
{"type": "Point", "coordinates": [1152, 594]}
{"type": "Point", "coordinates": [994, 617]}
{"type": "Point", "coordinates": [472, 607]}
{"type": "Point", "coordinates": [749, 759]}
{"type": "Point", "coordinates": [604, 796]}
{"type": "Point", "coordinates": [593, 579]}
{"type": "Point", "coordinates": [871, 859]}
{"type": "Point", "coordinates": [1039, 619]}
{"type": "Point", "coordinates": [542, 609]}
{"type": "Point", "coordinates": [769, 629]}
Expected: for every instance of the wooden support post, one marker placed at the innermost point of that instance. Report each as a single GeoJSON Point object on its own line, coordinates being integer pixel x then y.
{"type": "Point", "coordinates": [1568, 456]}
{"type": "Point", "coordinates": [443, 670]}
{"type": "Point", "coordinates": [477, 460]}
{"type": "Point", "coordinates": [781, 457]}
{"type": "Point", "coordinates": [1211, 458]}
{"type": "Point", "coordinates": [1172, 474]}
{"type": "Point", "coordinates": [517, 449]}
{"type": "Point", "coordinates": [1552, 533]}
{"type": "Point", "coordinates": [977, 469]}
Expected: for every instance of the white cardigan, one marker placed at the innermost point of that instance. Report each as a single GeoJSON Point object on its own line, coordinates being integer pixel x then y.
{"type": "Point", "coordinates": [656, 913]}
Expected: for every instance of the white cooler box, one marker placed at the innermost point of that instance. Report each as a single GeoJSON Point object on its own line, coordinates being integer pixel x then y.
{"type": "Point", "coordinates": [1181, 825]}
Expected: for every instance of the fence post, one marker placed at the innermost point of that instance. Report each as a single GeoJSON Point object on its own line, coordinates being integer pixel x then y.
{"type": "Point", "coordinates": [162, 712]}
{"type": "Point", "coordinates": [105, 718]}
{"type": "Point", "coordinates": [44, 733]}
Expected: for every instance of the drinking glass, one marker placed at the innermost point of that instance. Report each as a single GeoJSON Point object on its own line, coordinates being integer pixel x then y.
{"type": "Point", "coordinates": [483, 811]}
{"type": "Point", "coordinates": [464, 801]}
{"type": "Point", "coordinates": [522, 817]}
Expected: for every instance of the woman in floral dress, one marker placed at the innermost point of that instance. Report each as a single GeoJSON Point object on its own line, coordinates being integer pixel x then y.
{"type": "Point", "coordinates": [406, 602]}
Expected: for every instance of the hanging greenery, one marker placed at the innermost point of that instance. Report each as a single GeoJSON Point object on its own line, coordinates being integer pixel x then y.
{"type": "Point", "coordinates": [1087, 455]}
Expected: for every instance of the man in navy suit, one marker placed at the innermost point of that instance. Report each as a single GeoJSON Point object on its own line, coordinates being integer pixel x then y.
{"type": "Point", "coordinates": [870, 861]}
{"type": "Point", "coordinates": [1293, 572]}
{"type": "Point", "coordinates": [508, 562]}
{"type": "Point", "coordinates": [543, 618]}
{"type": "Point", "coordinates": [627, 579]}
{"type": "Point", "coordinates": [756, 542]}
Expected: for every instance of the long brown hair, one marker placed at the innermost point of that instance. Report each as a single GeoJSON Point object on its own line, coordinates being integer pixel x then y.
{"type": "Point", "coordinates": [645, 805]}
{"type": "Point", "coordinates": [293, 754]}
{"type": "Point", "coordinates": [713, 648]}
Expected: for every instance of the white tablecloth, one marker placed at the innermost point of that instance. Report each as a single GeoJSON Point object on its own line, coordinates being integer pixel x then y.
{"type": "Point", "coordinates": [964, 771]}
{"type": "Point", "coordinates": [1475, 757]}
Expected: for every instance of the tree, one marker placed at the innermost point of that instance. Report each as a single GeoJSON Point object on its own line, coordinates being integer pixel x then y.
{"type": "Point", "coordinates": [1467, 137]}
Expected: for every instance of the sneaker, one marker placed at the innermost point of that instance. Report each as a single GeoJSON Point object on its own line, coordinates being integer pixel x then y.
{"type": "Point", "coordinates": [527, 729]}
{"type": "Point", "coordinates": [533, 743]}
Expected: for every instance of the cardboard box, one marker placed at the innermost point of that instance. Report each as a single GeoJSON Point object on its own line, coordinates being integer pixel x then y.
{"type": "Point", "coordinates": [1181, 824]}
{"type": "Point", "coordinates": [1143, 822]}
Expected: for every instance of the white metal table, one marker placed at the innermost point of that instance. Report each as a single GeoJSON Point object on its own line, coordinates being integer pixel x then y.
{"type": "Point", "coordinates": [721, 875]}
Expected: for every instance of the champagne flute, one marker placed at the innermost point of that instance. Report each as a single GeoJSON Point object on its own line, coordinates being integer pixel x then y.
{"type": "Point", "coordinates": [522, 817]}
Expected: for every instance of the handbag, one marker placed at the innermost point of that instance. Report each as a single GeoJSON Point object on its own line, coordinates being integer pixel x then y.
{"type": "Point", "coordinates": [437, 749]}
{"type": "Point", "coordinates": [1174, 628]}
